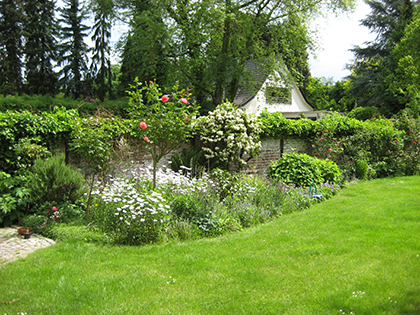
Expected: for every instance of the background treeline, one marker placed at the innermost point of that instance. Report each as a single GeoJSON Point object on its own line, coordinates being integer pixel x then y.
{"type": "Point", "coordinates": [213, 48]}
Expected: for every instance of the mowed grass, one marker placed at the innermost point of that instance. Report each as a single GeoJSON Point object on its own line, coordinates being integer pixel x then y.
{"type": "Point", "coordinates": [358, 253]}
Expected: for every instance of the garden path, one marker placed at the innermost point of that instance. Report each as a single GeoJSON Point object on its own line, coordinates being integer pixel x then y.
{"type": "Point", "coordinates": [13, 246]}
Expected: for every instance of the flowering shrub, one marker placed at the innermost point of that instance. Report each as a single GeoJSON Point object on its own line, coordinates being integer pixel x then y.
{"type": "Point", "coordinates": [128, 215]}
{"type": "Point", "coordinates": [165, 120]}
{"type": "Point", "coordinates": [228, 136]}
{"type": "Point", "coordinates": [183, 207]}
{"type": "Point", "coordinates": [411, 143]}
{"type": "Point", "coordinates": [327, 147]}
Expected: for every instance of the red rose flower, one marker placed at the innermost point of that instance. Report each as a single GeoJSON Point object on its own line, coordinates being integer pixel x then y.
{"type": "Point", "coordinates": [146, 139]}
{"type": "Point", "coordinates": [165, 98]}
{"type": "Point", "coordinates": [414, 142]}
{"type": "Point", "coordinates": [329, 150]}
{"type": "Point", "coordinates": [184, 100]}
{"type": "Point", "coordinates": [143, 125]}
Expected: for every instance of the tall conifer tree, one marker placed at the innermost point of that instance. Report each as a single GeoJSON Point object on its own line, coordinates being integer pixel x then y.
{"type": "Point", "coordinates": [143, 55]}
{"type": "Point", "coordinates": [10, 47]}
{"type": "Point", "coordinates": [75, 77]}
{"type": "Point", "coordinates": [40, 48]}
{"type": "Point", "coordinates": [101, 62]}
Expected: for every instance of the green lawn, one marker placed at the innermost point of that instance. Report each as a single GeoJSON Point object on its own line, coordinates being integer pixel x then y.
{"type": "Point", "coordinates": [357, 253]}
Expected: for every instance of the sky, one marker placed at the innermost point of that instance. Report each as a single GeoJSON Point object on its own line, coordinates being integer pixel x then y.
{"type": "Point", "coordinates": [336, 35]}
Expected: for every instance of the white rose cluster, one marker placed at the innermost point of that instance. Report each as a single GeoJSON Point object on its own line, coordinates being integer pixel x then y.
{"type": "Point", "coordinates": [229, 136]}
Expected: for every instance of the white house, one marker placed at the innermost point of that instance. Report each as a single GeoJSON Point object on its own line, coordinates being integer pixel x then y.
{"type": "Point", "coordinates": [275, 95]}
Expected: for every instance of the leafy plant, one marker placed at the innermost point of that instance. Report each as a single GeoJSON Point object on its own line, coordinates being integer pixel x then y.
{"type": "Point", "coordinates": [302, 169]}
{"type": "Point", "coordinates": [362, 167]}
{"type": "Point", "coordinates": [14, 198]}
{"type": "Point", "coordinates": [364, 113]}
{"type": "Point", "coordinates": [51, 180]}
{"type": "Point", "coordinates": [189, 161]}
{"type": "Point", "coordinates": [94, 140]}
{"type": "Point", "coordinates": [35, 221]}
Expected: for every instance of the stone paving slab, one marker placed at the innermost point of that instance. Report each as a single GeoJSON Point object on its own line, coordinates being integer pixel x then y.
{"type": "Point", "coordinates": [14, 246]}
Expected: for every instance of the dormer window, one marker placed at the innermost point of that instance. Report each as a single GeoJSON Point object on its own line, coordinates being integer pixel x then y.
{"type": "Point", "coordinates": [275, 94]}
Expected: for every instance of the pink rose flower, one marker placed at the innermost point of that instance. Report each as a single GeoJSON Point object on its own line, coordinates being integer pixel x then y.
{"type": "Point", "coordinates": [143, 125]}
{"type": "Point", "coordinates": [54, 208]}
{"type": "Point", "coordinates": [184, 100]}
{"type": "Point", "coordinates": [146, 139]}
{"type": "Point", "coordinates": [165, 98]}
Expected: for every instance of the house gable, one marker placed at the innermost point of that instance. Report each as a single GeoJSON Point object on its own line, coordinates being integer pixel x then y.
{"type": "Point", "coordinates": [276, 96]}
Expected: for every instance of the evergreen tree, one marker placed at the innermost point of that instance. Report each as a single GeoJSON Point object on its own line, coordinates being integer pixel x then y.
{"type": "Point", "coordinates": [143, 54]}
{"type": "Point", "coordinates": [40, 49]}
{"type": "Point", "coordinates": [373, 63]}
{"type": "Point", "coordinates": [101, 63]}
{"type": "Point", "coordinates": [10, 47]}
{"type": "Point", "coordinates": [75, 79]}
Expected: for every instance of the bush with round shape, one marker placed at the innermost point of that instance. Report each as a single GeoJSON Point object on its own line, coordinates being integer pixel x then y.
{"type": "Point", "coordinates": [302, 169]}
{"type": "Point", "coordinates": [51, 180]}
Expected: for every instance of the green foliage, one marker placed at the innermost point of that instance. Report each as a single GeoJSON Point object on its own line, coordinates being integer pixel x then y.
{"type": "Point", "coordinates": [40, 46]}
{"type": "Point", "coordinates": [47, 103]}
{"type": "Point", "coordinates": [51, 180]}
{"type": "Point", "coordinates": [11, 46]}
{"type": "Point", "coordinates": [387, 147]}
{"type": "Point", "coordinates": [200, 210]}
{"type": "Point", "coordinates": [228, 136]}
{"type": "Point", "coordinates": [380, 143]}
{"type": "Point", "coordinates": [35, 221]}
{"type": "Point", "coordinates": [317, 93]}
{"type": "Point", "coordinates": [74, 80]}
{"type": "Point", "coordinates": [167, 119]}
{"type": "Point", "coordinates": [27, 151]}
{"type": "Point", "coordinates": [373, 80]}
{"type": "Point", "coordinates": [364, 113]}
{"type": "Point", "coordinates": [189, 161]}
{"type": "Point", "coordinates": [327, 147]}
{"type": "Point", "coordinates": [302, 169]}
{"type": "Point", "coordinates": [404, 82]}
{"type": "Point", "coordinates": [77, 233]}
{"type": "Point", "coordinates": [362, 167]}
{"type": "Point", "coordinates": [48, 130]}
{"type": "Point", "coordinates": [14, 198]}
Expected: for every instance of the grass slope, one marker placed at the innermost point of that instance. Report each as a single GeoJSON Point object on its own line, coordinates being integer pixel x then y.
{"type": "Point", "coordinates": [358, 253]}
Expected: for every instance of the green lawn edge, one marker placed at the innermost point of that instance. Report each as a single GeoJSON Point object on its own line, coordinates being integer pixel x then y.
{"type": "Point", "coordinates": [357, 253]}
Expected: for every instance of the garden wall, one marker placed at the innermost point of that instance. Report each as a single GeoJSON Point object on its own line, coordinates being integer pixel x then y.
{"type": "Point", "coordinates": [271, 150]}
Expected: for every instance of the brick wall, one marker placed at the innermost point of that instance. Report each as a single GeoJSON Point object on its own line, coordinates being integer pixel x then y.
{"type": "Point", "coordinates": [272, 149]}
